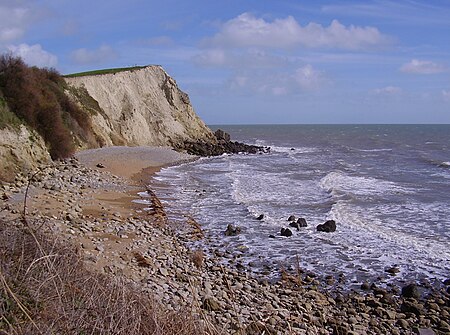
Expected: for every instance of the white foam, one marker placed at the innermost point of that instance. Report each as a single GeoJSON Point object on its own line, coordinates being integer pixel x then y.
{"type": "Point", "coordinates": [338, 181]}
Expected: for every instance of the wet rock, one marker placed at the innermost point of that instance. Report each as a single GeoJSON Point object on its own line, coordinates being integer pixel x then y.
{"type": "Point", "coordinates": [260, 217]}
{"type": "Point", "coordinates": [447, 282]}
{"type": "Point", "coordinates": [411, 291]}
{"type": "Point", "coordinates": [291, 218]}
{"type": "Point", "coordinates": [232, 230]}
{"type": "Point", "coordinates": [365, 286]}
{"type": "Point", "coordinates": [100, 165]}
{"type": "Point", "coordinates": [294, 225]}
{"type": "Point", "coordinates": [302, 222]}
{"type": "Point", "coordinates": [328, 227]}
{"type": "Point", "coordinates": [393, 270]}
{"type": "Point", "coordinates": [286, 232]}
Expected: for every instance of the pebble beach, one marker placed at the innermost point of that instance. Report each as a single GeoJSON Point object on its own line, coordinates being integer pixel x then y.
{"type": "Point", "coordinates": [89, 201]}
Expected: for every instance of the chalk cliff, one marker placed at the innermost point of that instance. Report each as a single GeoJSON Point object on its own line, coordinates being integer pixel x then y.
{"type": "Point", "coordinates": [138, 107]}
{"type": "Point", "coordinates": [131, 107]}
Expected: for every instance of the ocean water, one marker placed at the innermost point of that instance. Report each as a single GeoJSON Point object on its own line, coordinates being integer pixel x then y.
{"type": "Point", "coordinates": [386, 186]}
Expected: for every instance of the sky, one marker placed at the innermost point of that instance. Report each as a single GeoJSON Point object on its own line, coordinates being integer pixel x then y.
{"type": "Point", "coordinates": [253, 61]}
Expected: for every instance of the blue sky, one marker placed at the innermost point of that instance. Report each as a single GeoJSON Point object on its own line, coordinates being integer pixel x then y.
{"type": "Point", "coordinates": [251, 61]}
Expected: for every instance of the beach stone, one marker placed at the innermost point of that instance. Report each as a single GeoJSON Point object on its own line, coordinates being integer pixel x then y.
{"type": "Point", "coordinates": [210, 304]}
{"type": "Point", "coordinates": [328, 227]}
{"type": "Point", "coordinates": [425, 331]}
{"type": "Point", "coordinates": [411, 291]}
{"type": "Point", "coordinates": [291, 218]}
{"type": "Point", "coordinates": [260, 217]}
{"type": "Point", "coordinates": [232, 230]}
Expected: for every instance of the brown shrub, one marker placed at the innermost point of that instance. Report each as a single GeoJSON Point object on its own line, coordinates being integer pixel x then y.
{"type": "Point", "coordinates": [37, 97]}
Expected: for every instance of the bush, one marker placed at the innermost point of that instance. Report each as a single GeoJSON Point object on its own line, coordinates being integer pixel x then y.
{"type": "Point", "coordinates": [37, 97]}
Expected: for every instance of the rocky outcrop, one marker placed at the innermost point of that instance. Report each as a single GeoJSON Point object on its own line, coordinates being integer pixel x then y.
{"type": "Point", "coordinates": [138, 107]}
{"type": "Point", "coordinates": [222, 145]}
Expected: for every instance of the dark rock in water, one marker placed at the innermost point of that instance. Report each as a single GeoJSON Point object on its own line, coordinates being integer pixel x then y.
{"type": "Point", "coordinates": [222, 136]}
{"type": "Point", "coordinates": [286, 232]}
{"type": "Point", "coordinates": [393, 270]}
{"type": "Point", "coordinates": [271, 236]}
{"type": "Point", "coordinates": [365, 286]}
{"type": "Point", "coordinates": [328, 227]}
{"type": "Point", "coordinates": [100, 165]}
{"type": "Point", "coordinates": [291, 218]}
{"type": "Point", "coordinates": [260, 217]}
{"type": "Point", "coordinates": [411, 291]}
{"type": "Point", "coordinates": [302, 222]}
{"type": "Point", "coordinates": [232, 230]}
{"type": "Point", "coordinates": [447, 282]}
{"type": "Point", "coordinates": [294, 225]}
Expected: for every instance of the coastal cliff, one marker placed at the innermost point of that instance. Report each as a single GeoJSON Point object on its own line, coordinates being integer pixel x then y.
{"type": "Point", "coordinates": [127, 107]}
{"type": "Point", "coordinates": [141, 106]}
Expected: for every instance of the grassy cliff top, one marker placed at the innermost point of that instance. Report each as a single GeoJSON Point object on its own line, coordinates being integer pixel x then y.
{"type": "Point", "coordinates": [104, 71]}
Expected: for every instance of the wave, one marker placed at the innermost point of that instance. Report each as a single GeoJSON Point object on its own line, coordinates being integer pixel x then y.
{"type": "Point", "coordinates": [339, 183]}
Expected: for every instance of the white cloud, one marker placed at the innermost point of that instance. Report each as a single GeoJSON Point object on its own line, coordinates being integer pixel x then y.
{"type": "Point", "coordinates": [13, 21]}
{"type": "Point", "coordinates": [388, 90]}
{"type": "Point", "coordinates": [302, 79]}
{"type": "Point", "coordinates": [308, 78]}
{"type": "Point", "coordinates": [416, 66]}
{"type": "Point", "coordinates": [249, 31]}
{"type": "Point", "coordinates": [34, 55]}
{"type": "Point", "coordinates": [85, 56]}
{"type": "Point", "coordinates": [446, 95]}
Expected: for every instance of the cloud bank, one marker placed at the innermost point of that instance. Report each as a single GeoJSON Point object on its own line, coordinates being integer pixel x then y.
{"type": "Point", "coordinates": [248, 31]}
{"type": "Point", "coordinates": [416, 66]}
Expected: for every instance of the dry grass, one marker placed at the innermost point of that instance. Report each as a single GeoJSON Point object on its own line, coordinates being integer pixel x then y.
{"type": "Point", "coordinates": [197, 258]}
{"type": "Point", "coordinates": [45, 289]}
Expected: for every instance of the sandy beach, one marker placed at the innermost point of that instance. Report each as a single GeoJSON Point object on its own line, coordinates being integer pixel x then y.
{"type": "Point", "coordinates": [88, 201]}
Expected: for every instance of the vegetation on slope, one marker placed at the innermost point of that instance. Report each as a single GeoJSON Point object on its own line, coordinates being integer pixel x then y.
{"type": "Point", "coordinates": [105, 71]}
{"type": "Point", "coordinates": [36, 96]}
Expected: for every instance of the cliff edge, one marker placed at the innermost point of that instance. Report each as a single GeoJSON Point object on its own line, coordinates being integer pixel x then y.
{"type": "Point", "coordinates": [134, 107]}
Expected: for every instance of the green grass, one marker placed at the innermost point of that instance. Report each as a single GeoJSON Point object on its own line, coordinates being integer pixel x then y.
{"type": "Point", "coordinates": [105, 71]}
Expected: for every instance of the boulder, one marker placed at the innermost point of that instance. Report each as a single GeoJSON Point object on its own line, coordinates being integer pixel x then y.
{"type": "Point", "coordinates": [232, 230]}
{"type": "Point", "coordinates": [410, 291]}
{"type": "Point", "coordinates": [302, 222]}
{"type": "Point", "coordinates": [291, 218]}
{"type": "Point", "coordinates": [294, 225]}
{"type": "Point", "coordinates": [286, 232]}
{"type": "Point", "coordinates": [328, 227]}
{"type": "Point", "coordinates": [260, 217]}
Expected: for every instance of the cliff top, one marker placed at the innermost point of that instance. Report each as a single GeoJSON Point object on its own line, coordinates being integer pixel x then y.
{"type": "Point", "coordinates": [106, 71]}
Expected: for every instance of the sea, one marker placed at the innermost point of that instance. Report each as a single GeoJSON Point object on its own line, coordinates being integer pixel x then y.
{"type": "Point", "coordinates": [386, 186]}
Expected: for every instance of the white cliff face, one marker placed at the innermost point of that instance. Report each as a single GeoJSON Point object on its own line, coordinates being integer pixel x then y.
{"type": "Point", "coordinates": [141, 107]}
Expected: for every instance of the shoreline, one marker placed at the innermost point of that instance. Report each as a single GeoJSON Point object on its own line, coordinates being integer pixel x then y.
{"type": "Point", "coordinates": [94, 210]}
